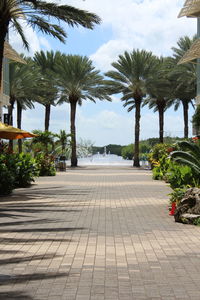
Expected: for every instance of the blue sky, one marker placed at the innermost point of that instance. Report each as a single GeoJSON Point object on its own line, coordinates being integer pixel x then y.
{"type": "Point", "coordinates": [126, 24]}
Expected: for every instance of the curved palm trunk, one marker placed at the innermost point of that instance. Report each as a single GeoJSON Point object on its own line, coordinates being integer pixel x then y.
{"type": "Point", "coordinates": [19, 122]}
{"type": "Point", "coordinates": [161, 124]}
{"type": "Point", "coordinates": [73, 133]}
{"type": "Point", "coordinates": [47, 116]}
{"type": "Point", "coordinates": [185, 115]}
{"type": "Point", "coordinates": [137, 132]}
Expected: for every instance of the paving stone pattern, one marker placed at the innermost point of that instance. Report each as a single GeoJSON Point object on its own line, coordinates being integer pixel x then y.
{"type": "Point", "coordinates": [96, 233]}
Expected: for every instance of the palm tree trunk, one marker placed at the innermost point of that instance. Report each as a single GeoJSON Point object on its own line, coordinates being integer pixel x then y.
{"type": "Point", "coordinates": [137, 132]}
{"type": "Point", "coordinates": [185, 115]}
{"type": "Point", "coordinates": [4, 31]}
{"type": "Point", "coordinates": [161, 124]}
{"type": "Point", "coordinates": [73, 133]}
{"type": "Point", "coordinates": [47, 116]}
{"type": "Point", "coordinates": [19, 122]}
{"type": "Point", "coordinates": [10, 112]}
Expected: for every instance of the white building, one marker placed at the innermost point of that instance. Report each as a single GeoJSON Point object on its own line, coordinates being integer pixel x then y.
{"type": "Point", "coordinates": [9, 54]}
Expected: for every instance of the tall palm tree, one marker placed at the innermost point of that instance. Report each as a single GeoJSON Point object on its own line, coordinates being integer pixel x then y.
{"type": "Point", "coordinates": [40, 15]}
{"type": "Point", "coordinates": [183, 79]}
{"type": "Point", "coordinates": [129, 78]}
{"type": "Point", "coordinates": [22, 85]}
{"type": "Point", "coordinates": [159, 90]}
{"type": "Point", "coordinates": [47, 90]}
{"type": "Point", "coordinates": [78, 81]}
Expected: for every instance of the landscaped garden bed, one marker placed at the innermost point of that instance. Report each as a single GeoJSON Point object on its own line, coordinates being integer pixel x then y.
{"type": "Point", "coordinates": [179, 165]}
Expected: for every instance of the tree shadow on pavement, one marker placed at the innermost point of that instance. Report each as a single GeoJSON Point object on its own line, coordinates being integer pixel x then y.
{"type": "Point", "coordinates": [49, 230]}
{"type": "Point", "coordinates": [21, 278]}
{"type": "Point", "coordinates": [11, 241]}
{"type": "Point", "coordinates": [16, 295]}
{"type": "Point", "coordinates": [16, 260]}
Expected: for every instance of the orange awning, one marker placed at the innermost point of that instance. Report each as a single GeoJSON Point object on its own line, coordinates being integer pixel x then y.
{"type": "Point", "coordinates": [11, 133]}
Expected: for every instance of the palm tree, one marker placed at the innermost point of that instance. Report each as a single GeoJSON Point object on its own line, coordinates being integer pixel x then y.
{"type": "Point", "coordinates": [40, 15]}
{"type": "Point", "coordinates": [63, 140]}
{"type": "Point", "coordinates": [47, 91]}
{"type": "Point", "coordinates": [45, 138]}
{"type": "Point", "coordinates": [183, 79]}
{"type": "Point", "coordinates": [78, 81]}
{"type": "Point", "coordinates": [22, 79]}
{"type": "Point", "coordinates": [129, 78]}
{"type": "Point", "coordinates": [158, 87]}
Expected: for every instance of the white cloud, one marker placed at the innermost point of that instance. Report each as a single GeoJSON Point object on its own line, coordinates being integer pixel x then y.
{"type": "Point", "coordinates": [105, 127]}
{"type": "Point", "coordinates": [149, 24]}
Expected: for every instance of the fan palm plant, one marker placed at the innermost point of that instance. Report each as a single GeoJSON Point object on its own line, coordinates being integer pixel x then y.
{"type": "Point", "coordinates": [129, 78]}
{"type": "Point", "coordinates": [40, 15]}
{"type": "Point", "coordinates": [78, 81]}
{"type": "Point", "coordinates": [189, 154]}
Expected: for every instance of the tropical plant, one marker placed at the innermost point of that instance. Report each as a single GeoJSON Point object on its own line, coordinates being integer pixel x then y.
{"type": "Point", "coordinates": [78, 81]}
{"type": "Point", "coordinates": [7, 178]}
{"type": "Point", "coordinates": [40, 15]}
{"type": "Point", "coordinates": [129, 78]}
{"type": "Point", "coordinates": [189, 155]}
{"type": "Point", "coordinates": [177, 195]}
{"type": "Point", "coordinates": [24, 169]}
{"type": "Point", "coordinates": [179, 176]}
{"type": "Point", "coordinates": [43, 140]}
{"type": "Point", "coordinates": [45, 164]}
{"type": "Point", "coordinates": [63, 140]}
{"type": "Point", "coordinates": [16, 170]}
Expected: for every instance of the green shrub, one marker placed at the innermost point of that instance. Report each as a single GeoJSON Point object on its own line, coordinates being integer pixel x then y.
{"type": "Point", "coordinates": [6, 177]}
{"type": "Point", "coordinates": [16, 170]}
{"type": "Point", "coordinates": [177, 195]}
{"type": "Point", "coordinates": [45, 165]}
{"type": "Point", "coordinates": [127, 152]}
{"type": "Point", "coordinates": [179, 176]}
{"type": "Point", "coordinates": [197, 222]}
{"type": "Point", "coordinates": [25, 170]}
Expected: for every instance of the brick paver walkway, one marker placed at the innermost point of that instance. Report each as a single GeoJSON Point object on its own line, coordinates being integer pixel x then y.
{"type": "Point", "coordinates": [96, 233]}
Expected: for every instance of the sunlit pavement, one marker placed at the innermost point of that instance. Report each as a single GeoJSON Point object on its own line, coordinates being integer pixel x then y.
{"type": "Point", "coordinates": [96, 233]}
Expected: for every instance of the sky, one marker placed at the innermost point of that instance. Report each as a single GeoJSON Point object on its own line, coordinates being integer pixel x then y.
{"type": "Point", "coordinates": [126, 25]}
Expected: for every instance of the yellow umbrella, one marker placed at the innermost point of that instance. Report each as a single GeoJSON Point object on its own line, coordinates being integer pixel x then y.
{"type": "Point", "coordinates": [11, 133]}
